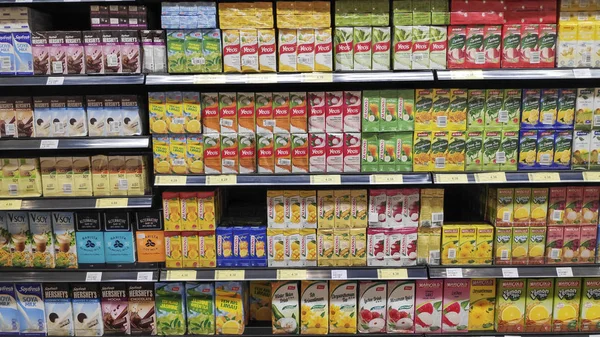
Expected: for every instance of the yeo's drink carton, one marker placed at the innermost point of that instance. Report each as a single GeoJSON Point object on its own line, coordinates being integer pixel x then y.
{"type": "Point", "coordinates": [231, 51]}
{"type": "Point", "coordinates": [265, 120]}
{"type": "Point", "coordinates": [438, 47]}
{"type": "Point", "coordinates": [334, 111]}
{"type": "Point", "coordinates": [267, 50]}
{"type": "Point", "coordinates": [381, 45]}
{"type": "Point", "coordinates": [363, 53]}
{"type": "Point", "coordinates": [323, 50]}
{"type": "Point", "coordinates": [317, 152]}
{"type": "Point", "coordinates": [421, 46]}
{"type": "Point", "coordinates": [352, 146]}
{"type": "Point", "coordinates": [287, 50]}
{"type": "Point", "coordinates": [403, 43]}
{"type": "Point", "coordinates": [344, 48]}
{"type": "Point", "coordinates": [305, 61]}
{"type": "Point", "coordinates": [316, 112]}
{"type": "Point", "coordinates": [352, 111]}
{"type": "Point", "coordinates": [334, 153]}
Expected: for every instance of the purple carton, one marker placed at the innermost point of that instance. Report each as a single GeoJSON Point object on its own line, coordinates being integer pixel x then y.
{"type": "Point", "coordinates": [75, 53]}
{"type": "Point", "coordinates": [545, 149]}
{"type": "Point", "coordinates": [57, 53]}
{"type": "Point", "coordinates": [113, 17]}
{"type": "Point", "coordinates": [115, 309]}
{"type": "Point", "coordinates": [130, 51]}
{"type": "Point", "coordinates": [112, 52]}
{"type": "Point", "coordinates": [7, 54]}
{"type": "Point", "coordinates": [23, 53]}
{"type": "Point", "coordinates": [39, 46]}
{"type": "Point", "coordinates": [225, 247]}
{"type": "Point", "coordinates": [94, 55]}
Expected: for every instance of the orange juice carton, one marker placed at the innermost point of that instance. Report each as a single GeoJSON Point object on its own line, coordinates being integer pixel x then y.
{"type": "Point", "coordinates": [482, 304]}
{"type": "Point", "coordinates": [372, 304]}
{"type": "Point", "coordinates": [190, 245]}
{"type": "Point", "coordinates": [267, 51]}
{"type": "Point", "coordinates": [281, 112]}
{"type": "Point", "coordinates": [325, 209]}
{"type": "Point", "coordinates": [207, 212]}
{"type": "Point", "coordinates": [455, 314]}
{"type": "Point", "coordinates": [177, 154]}
{"type": "Point", "coordinates": [334, 111]}
{"type": "Point", "coordinates": [189, 211]}
{"type": "Point", "coordinates": [484, 246]}
{"type": "Point", "coordinates": [173, 247]}
{"type": "Point", "coordinates": [308, 247]}
{"type": "Point", "coordinates": [209, 104]}
{"type": "Point", "coordinates": [334, 155]}
{"type": "Point", "coordinates": [174, 111]}
{"type": "Point", "coordinates": [428, 306]}
{"type": "Point", "coordinates": [377, 208]}
{"type": "Point", "coordinates": [228, 118]}
{"type": "Point", "coordinates": [207, 249]}
{"type": "Point", "coordinates": [305, 61]}
{"type": "Point", "coordinates": [171, 211]}
{"type": "Point", "coordinates": [287, 50]}
{"type": "Point", "coordinates": [247, 153]}
{"type": "Point", "coordinates": [571, 242]}
{"type": "Point", "coordinates": [283, 153]}
{"type": "Point", "coordinates": [441, 105]}
{"type": "Point", "coordinates": [300, 153]}
{"type": "Point", "coordinates": [537, 245]}
{"type": "Point", "coordinates": [503, 247]}
{"type": "Point", "coordinates": [241, 246]}
{"type": "Point", "coordinates": [212, 153]}
{"type": "Point", "coordinates": [308, 211]}
{"type": "Point", "coordinates": [587, 246]}
{"type": "Point", "coordinates": [245, 112]}
{"type": "Point", "coordinates": [539, 305]}
{"type": "Point", "coordinates": [590, 306]}
{"type": "Point", "coordinates": [567, 301]}
{"type": "Point", "coordinates": [505, 207]}
{"type": "Point", "coordinates": [265, 120]}
{"type": "Point", "coordinates": [520, 245]}
{"type": "Point", "coordinates": [229, 153]}
{"type": "Point", "coordinates": [275, 209]}
{"type": "Point", "coordinates": [231, 51]}
{"type": "Point", "coordinates": [539, 207]}
{"type": "Point", "coordinates": [195, 153]}
{"type": "Point", "coordinates": [249, 50]}
{"type": "Point", "coordinates": [292, 208]}
{"type": "Point", "coordinates": [276, 247]}
{"type": "Point", "coordinates": [225, 247]}
{"type": "Point", "coordinates": [450, 243]}
{"type": "Point", "coordinates": [265, 153]}
{"type": "Point", "coordinates": [298, 113]}
{"type": "Point", "coordinates": [556, 205]}
{"type": "Point", "coordinates": [510, 305]}
{"type": "Point", "coordinates": [522, 207]}
{"type": "Point", "coordinates": [376, 246]}
{"type": "Point", "coordinates": [323, 50]}
{"type": "Point", "coordinates": [352, 111]}
{"type": "Point", "coordinates": [401, 306]}
{"type": "Point", "coordinates": [574, 203]}
{"type": "Point", "coordinates": [467, 243]}
{"type": "Point", "coordinates": [160, 149]}
{"type": "Point", "coordinates": [590, 205]}
{"type": "Point", "coordinates": [316, 112]}
{"type": "Point", "coordinates": [342, 296]}
{"type": "Point", "coordinates": [317, 152]}
{"type": "Point", "coordinates": [352, 145]}
{"type": "Point", "coordinates": [554, 244]}
{"type": "Point", "coordinates": [191, 112]}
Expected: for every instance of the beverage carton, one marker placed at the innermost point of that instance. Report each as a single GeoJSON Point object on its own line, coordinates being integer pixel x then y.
{"type": "Point", "coordinates": [363, 52]}
{"type": "Point", "coordinates": [199, 299]}
{"type": "Point", "coordinates": [260, 301]}
{"type": "Point", "coordinates": [493, 106]}
{"type": "Point", "coordinates": [457, 47]}
{"type": "Point", "coordinates": [539, 305]}
{"type": "Point", "coordinates": [275, 209]}
{"type": "Point", "coordinates": [547, 45]}
{"type": "Point", "coordinates": [287, 50]}
{"type": "Point", "coordinates": [421, 47]}
{"type": "Point", "coordinates": [510, 305]}
{"type": "Point", "coordinates": [450, 244]}
{"type": "Point", "coordinates": [422, 151]}
{"type": "Point", "coordinates": [511, 45]}
{"type": "Point", "coordinates": [591, 296]}
{"type": "Point", "coordinates": [584, 108]}
{"type": "Point", "coordinates": [285, 301]}
{"type": "Point", "coordinates": [86, 304]}
{"type": "Point", "coordinates": [428, 305]}
{"type": "Point", "coordinates": [537, 244]}
{"type": "Point", "coordinates": [492, 40]}
{"type": "Point", "coordinates": [545, 148]}
{"type": "Point", "coordinates": [323, 50]}
{"type": "Point", "coordinates": [298, 113]}
{"type": "Point", "coordinates": [371, 111]}
{"type": "Point", "coordinates": [317, 152]}
{"type": "Point", "coordinates": [316, 112]}
{"type": "Point", "coordinates": [231, 51]}
{"type": "Point", "coordinates": [21, 240]}
{"type": "Point", "coordinates": [562, 149]}
{"type": "Point", "coordinates": [342, 296]}
{"type": "Point", "coordinates": [507, 154]}
{"type": "Point", "coordinates": [482, 304]}
{"type": "Point", "coordinates": [245, 112]}
{"type": "Point", "coordinates": [247, 153]}
{"type": "Point", "coordinates": [43, 241]}
{"type": "Point", "coordinates": [404, 151]}
{"type": "Point", "coordinates": [334, 152]}
{"type": "Point", "coordinates": [325, 247]}
{"type": "Point", "coordinates": [503, 247]}
{"type": "Point", "coordinates": [567, 295]}
{"type": "Point", "coordinates": [587, 247]}
{"type": "Point", "coordinates": [381, 44]}
{"type": "Point", "coordinates": [566, 108]}
{"type": "Point", "coordinates": [585, 41]}
{"type": "Point", "coordinates": [300, 153]}
{"type": "Point", "coordinates": [352, 147]}
{"type": "Point", "coordinates": [522, 207]}
{"type": "Point", "coordinates": [387, 152]}
{"type": "Point", "coordinates": [474, 151]}
{"type": "Point", "coordinates": [267, 51]}
{"type": "Point", "coordinates": [574, 202]}
{"type": "Point", "coordinates": [115, 314]}
{"type": "Point", "coordinates": [264, 112]}
{"type": "Point", "coordinates": [455, 315]}
{"type": "Point", "coordinates": [548, 108]}
{"type": "Point", "coordinates": [228, 113]}
{"type": "Point", "coordinates": [283, 153]}
{"type": "Point", "coordinates": [281, 112]}
{"type": "Point", "coordinates": [455, 156]}
{"type": "Point", "coordinates": [344, 48]}
{"type": "Point", "coordinates": [530, 54]}
{"type": "Point", "coordinates": [571, 242]}
{"type": "Point", "coordinates": [557, 203]}
{"type": "Point", "coordinates": [334, 111]}
{"type": "Point", "coordinates": [554, 244]}
{"type": "Point", "coordinates": [401, 306]}
{"type": "Point", "coordinates": [491, 150]}
{"type": "Point", "coordinates": [581, 149]}
{"type": "Point", "coordinates": [527, 149]}
{"type": "Point", "coordinates": [229, 153]}
{"type": "Point", "coordinates": [520, 245]}
{"type": "Point", "coordinates": [475, 110]}
{"type": "Point", "coordinates": [432, 204]}
{"type": "Point", "coordinates": [315, 304]}
{"type": "Point", "coordinates": [9, 309]}
{"type": "Point", "coordinates": [438, 47]}
{"type": "Point", "coordinates": [292, 210]}
{"type": "Point", "coordinates": [457, 112]}
{"type": "Point", "coordinates": [508, 116]}
{"type": "Point", "coordinates": [229, 303]}
{"type": "Point", "coordinates": [372, 307]}
{"type": "Point", "coordinates": [249, 50]}
{"type": "Point", "coordinates": [403, 44]}
{"type": "Point", "coordinates": [175, 53]}
{"type": "Point", "coordinates": [377, 247]}
{"type": "Point", "coordinates": [405, 113]}
{"type": "Point", "coordinates": [352, 111]}
{"type": "Point", "coordinates": [467, 244]}
{"type": "Point", "coordinates": [440, 108]}
{"type": "Point", "coordinates": [30, 301]}
{"type": "Point", "coordinates": [590, 206]}
{"type": "Point", "coordinates": [326, 209]}
{"type": "Point", "coordinates": [423, 109]}
{"type": "Point", "coordinates": [306, 50]}
{"type": "Point", "coordinates": [475, 54]}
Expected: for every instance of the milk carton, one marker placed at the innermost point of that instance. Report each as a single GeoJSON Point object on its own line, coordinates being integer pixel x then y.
{"type": "Point", "coordinates": [43, 244]}
{"type": "Point", "coordinates": [18, 226]}
{"type": "Point", "coordinates": [23, 55]}
{"type": "Point", "coordinates": [9, 325]}
{"type": "Point", "coordinates": [372, 305]}
{"type": "Point", "coordinates": [87, 310]}
{"type": "Point", "coordinates": [401, 307]}
{"type": "Point", "coordinates": [7, 54]}
{"type": "Point", "coordinates": [142, 308]}
{"type": "Point", "coordinates": [30, 301]}
{"type": "Point", "coordinates": [59, 309]}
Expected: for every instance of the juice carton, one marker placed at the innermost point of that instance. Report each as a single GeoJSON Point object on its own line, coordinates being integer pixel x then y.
{"type": "Point", "coordinates": [246, 112]}
{"type": "Point", "coordinates": [285, 302]}
{"type": "Point", "coordinates": [438, 47]}
{"type": "Point", "coordinates": [527, 149]}
{"type": "Point", "coordinates": [30, 301]}
{"type": "Point", "coordinates": [190, 246]}
{"type": "Point", "coordinates": [530, 54]}
{"type": "Point", "coordinates": [484, 245]}
{"type": "Point", "coordinates": [455, 315]}
{"type": "Point", "coordinates": [581, 149]}
{"type": "Point", "coordinates": [401, 306]}
{"type": "Point", "coordinates": [229, 153]}
{"type": "Point", "coordinates": [300, 153]}
{"type": "Point", "coordinates": [371, 111]}
{"type": "Point", "coordinates": [547, 45]}
{"type": "Point", "coordinates": [178, 154]}
{"type": "Point", "coordinates": [351, 155]}
{"type": "Point", "coordinates": [247, 153]}
{"type": "Point", "coordinates": [326, 209]}
{"type": "Point", "coordinates": [323, 49]}
{"type": "Point", "coordinates": [342, 306]}
{"type": "Point", "coordinates": [210, 112]}
{"type": "Point", "coordinates": [276, 247]}
{"type": "Point", "coordinates": [405, 113]}
{"type": "Point", "coordinates": [195, 153]}
{"type": "Point", "coordinates": [199, 301]}
{"type": "Point", "coordinates": [474, 151]}
{"type": "Point", "coordinates": [316, 112]}
{"type": "Point", "coordinates": [283, 153]}
{"type": "Point", "coordinates": [298, 113]}
{"type": "Point", "coordinates": [424, 109]}
{"type": "Point", "coordinates": [208, 215]}
{"type": "Point", "coordinates": [344, 48]}
{"type": "Point", "coordinates": [511, 46]}
{"type": "Point", "coordinates": [260, 301]}
{"type": "Point", "coordinates": [457, 111]}
{"type": "Point", "coordinates": [510, 305]}
{"type": "Point", "coordinates": [422, 160]}
{"type": "Point", "coordinates": [482, 304]}
{"type": "Point", "coordinates": [475, 110]}
{"type": "Point", "coordinates": [404, 151]}
{"type": "Point", "coordinates": [287, 50]}
{"type": "Point", "coordinates": [537, 244]}
{"type": "Point", "coordinates": [8, 309]}
{"type": "Point", "coordinates": [590, 206]}
{"type": "Point", "coordinates": [574, 203]}
{"type": "Point", "coordinates": [511, 108]}
{"type": "Point", "coordinates": [554, 244]}
{"type": "Point", "coordinates": [314, 308]}
{"type": "Point", "coordinates": [545, 148]}
{"type": "Point", "coordinates": [174, 112]}
{"type": "Point", "coordinates": [376, 246]}
{"type": "Point", "coordinates": [475, 55]}
{"type": "Point", "coordinates": [358, 246]}
{"type": "Point", "coordinates": [492, 40]}
{"type": "Point", "coordinates": [189, 211]}
{"type": "Point", "coordinates": [503, 247]}
{"type": "Point", "coordinates": [231, 51]}
{"type": "Point", "coordinates": [342, 208]}
{"type": "Point", "coordinates": [567, 295]}
{"type": "Point", "coordinates": [455, 156]}
{"type": "Point", "coordinates": [334, 155]}
{"type": "Point", "coordinates": [281, 112]}
{"type": "Point", "coordinates": [520, 245]}
{"type": "Point", "coordinates": [352, 111]}
{"type": "Point", "coordinates": [292, 201]}
{"type": "Point", "coordinates": [432, 204]}
{"type": "Point", "coordinates": [493, 106]}
{"type": "Point", "coordinates": [491, 150]}
{"type": "Point", "coordinates": [562, 149]}
{"type": "Point", "coordinates": [539, 305]}
{"type": "Point", "coordinates": [587, 247]}
{"type": "Point", "coordinates": [403, 44]}
{"type": "Point", "coordinates": [225, 247]}
{"type": "Point", "coordinates": [585, 41]}
{"type": "Point", "coordinates": [370, 153]}
{"type": "Point", "coordinates": [594, 148]}
{"type": "Point", "coordinates": [566, 108]}
{"type": "Point", "coordinates": [305, 61]}
{"type": "Point", "coordinates": [334, 111]}
{"type": "Point", "coordinates": [457, 37]}
{"type": "Point", "coordinates": [267, 51]}
{"type": "Point", "coordinates": [241, 246]}
{"type": "Point", "coordinates": [450, 244]}
{"type": "Point", "coordinates": [539, 206]}
{"type": "Point", "coordinates": [591, 297]}
{"type": "Point", "coordinates": [207, 249]}
{"type": "Point", "coordinates": [548, 108]}
{"type": "Point", "coordinates": [421, 47]}
{"type": "Point", "coordinates": [308, 249]}
{"type": "Point", "coordinates": [258, 245]}
{"type": "Point", "coordinates": [363, 52]}
{"type": "Point", "coordinates": [571, 242]}
{"type": "Point", "coordinates": [377, 208]}
{"type": "Point", "coordinates": [173, 250]}
{"type": "Point", "coordinates": [170, 308]}
{"type": "Point", "coordinates": [387, 152]}
{"type": "Point", "coordinates": [372, 307]}
{"type": "Point", "coordinates": [264, 112]}
{"type": "Point", "coordinates": [441, 106]}
{"type": "Point", "coordinates": [265, 154]}
{"type": "Point", "coordinates": [467, 245]}
{"type": "Point", "coordinates": [317, 152]}
{"type": "Point", "coordinates": [522, 207]}
{"type": "Point", "coordinates": [325, 247]}
{"type": "Point", "coordinates": [557, 204]}
{"type": "Point", "coordinates": [596, 109]}
{"type": "Point", "coordinates": [229, 305]}
{"type": "Point", "coordinates": [228, 112]}
{"type": "Point", "coordinates": [249, 50]}
{"type": "Point", "coordinates": [381, 44]}
{"type": "Point", "coordinates": [428, 305]}
{"type": "Point", "coordinates": [505, 207]}
{"type": "Point", "coordinates": [584, 106]}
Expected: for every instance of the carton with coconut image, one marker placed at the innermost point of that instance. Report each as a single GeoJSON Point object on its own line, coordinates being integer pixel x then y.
{"type": "Point", "coordinates": [285, 303]}
{"type": "Point", "coordinates": [59, 309]}
{"type": "Point", "coordinates": [30, 302]}
{"type": "Point", "coordinates": [9, 324]}
{"type": "Point", "coordinates": [65, 250]}
{"type": "Point", "coordinates": [199, 300]}
{"type": "Point", "coordinates": [170, 308]}
{"type": "Point", "coordinates": [43, 243]}
{"type": "Point", "coordinates": [115, 313]}
{"type": "Point", "coordinates": [510, 305]}
{"type": "Point", "coordinates": [87, 310]}
{"type": "Point", "coordinates": [20, 242]}
{"type": "Point", "coordinates": [372, 307]}
{"type": "Point", "coordinates": [455, 314]}
{"type": "Point", "coordinates": [428, 306]}
{"type": "Point", "coordinates": [314, 308]}
{"type": "Point", "coordinates": [142, 308]}
{"type": "Point", "coordinates": [401, 307]}
{"type": "Point", "coordinates": [567, 298]}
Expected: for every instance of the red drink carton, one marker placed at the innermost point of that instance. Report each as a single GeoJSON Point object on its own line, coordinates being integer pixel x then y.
{"type": "Point", "coordinates": [457, 48]}
{"type": "Point", "coordinates": [334, 111]}
{"type": "Point", "coordinates": [530, 53]}
{"type": "Point", "coordinates": [492, 39]}
{"type": "Point", "coordinates": [587, 247]}
{"type": "Point", "coordinates": [591, 195]}
{"type": "Point", "coordinates": [352, 159]}
{"type": "Point", "coordinates": [428, 306]}
{"type": "Point", "coordinates": [556, 205]}
{"type": "Point", "coordinates": [316, 112]}
{"type": "Point", "coordinates": [352, 111]}
{"type": "Point", "coordinates": [554, 244]}
{"type": "Point", "coordinates": [571, 241]}
{"type": "Point", "coordinates": [511, 46]}
{"type": "Point", "coordinates": [573, 206]}
{"type": "Point", "coordinates": [455, 316]}
{"type": "Point", "coordinates": [335, 152]}
{"type": "Point", "coordinates": [317, 150]}
{"type": "Point", "coordinates": [547, 45]}
{"type": "Point", "coordinates": [474, 47]}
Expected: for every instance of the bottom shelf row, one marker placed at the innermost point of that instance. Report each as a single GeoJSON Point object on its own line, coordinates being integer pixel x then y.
{"type": "Point", "coordinates": [302, 307]}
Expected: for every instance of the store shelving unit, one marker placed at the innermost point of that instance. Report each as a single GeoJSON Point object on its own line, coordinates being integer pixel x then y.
{"type": "Point", "coordinates": [71, 80]}
{"type": "Point", "coordinates": [75, 203]}
{"type": "Point", "coordinates": [544, 177]}
{"type": "Point", "coordinates": [83, 143]}
{"type": "Point", "coordinates": [108, 274]}
{"type": "Point", "coordinates": [514, 271]}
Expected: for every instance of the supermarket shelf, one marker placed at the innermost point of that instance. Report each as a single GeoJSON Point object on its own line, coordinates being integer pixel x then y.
{"type": "Point", "coordinates": [515, 74]}
{"type": "Point", "coordinates": [300, 273]}
{"type": "Point", "coordinates": [139, 142]}
{"type": "Point", "coordinates": [75, 203]}
{"type": "Point", "coordinates": [507, 271]}
{"type": "Point", "coordinates": [520, 333]}
{"type": "Point", "coordinates": [509, 177]}
{"type": "Point", "coordinates": [289, 180]}
{"type": "Point", "coordinates": [79, 275]}
{"type": "Point", "coordinates": [71, 80]}
{"type": "Point", "coordinates": [22, 2]}
{"type": "Point", "coordinates": [266, 78]}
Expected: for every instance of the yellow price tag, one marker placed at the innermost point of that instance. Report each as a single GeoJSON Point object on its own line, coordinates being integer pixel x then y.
{"type": "Point", "coordinates": [12, 204]}
{"type": "Point", "coordinates": [171, 180]}
{"type": "Point", "coordinates": [331, 179]}
{"type": "Point", "coordinates": [317, 77]}
{"type": "Point", "coordinates": [466, 74]}
{"type": "Point", "coordinates": [112, 203]}
{"type": "Point", "coordinates": [230, 275]}
{"type": "Point", "coordinates": [591, 176]}
{"type": "Point", "coordinates": [491, 177]}
{"type": "Point", "coordinates": [386, 179]}
{"type": "Point", "coordinates": [291, 274]}
{"type": "Point", "coordinates": [228, 179]}
{"type": "Point", "coordinates": [392, 274]}
{"type": "Point", "coordinates": [262, 78]}
{"type": "Point", "coordinates": [451, 178]}
{"type": "Point", "coordinates": [209, 79]}
{"type": "Point", "coordinates": [181, 275]}
{"type": "Point", "coordinates": [544, 177]}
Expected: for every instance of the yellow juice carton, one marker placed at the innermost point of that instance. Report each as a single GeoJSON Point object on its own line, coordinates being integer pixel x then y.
{"type": "Point", "coordinates": [423, 111]}
{"type": "Point", "coordinates": [342, 208]}
{"type": "Point", "coordinates": [190, 245]}
{"type": "Point", "coordinates": [207, 249]}
{"type": "Point", "coordinates": [206, 210]}
{"type": "Point", "coordinates": [276, 247]}
{"type": "Point", "coordinates": [590, 307]}
{"type": "Point", "coordinates": [308, 248]}
{"type": "Point", "coordinates": [285, 303]}
{"type": "Point", "coordinates": [189, 211]}
{"type": "Point", "coordinates": [567, 44]}
{"type": "Point", "coordinates": [567, 299]}
{"type": "Point", "coordinates": [434, 246]}
{"type": "Point", "coordinates": [231, 51]}
{"type": "Point", "coordinates": [178, 154]}
{"type": "Point", "coordinates": [293, 245]}
{"type": "Point", "coordinates": [422, 158]}
{"type": "Point", "coordinates": [342, 307]}
{"type": "Point", "coordinates": [537, 245]}
{"type": "Point", "coordinates": [305, 61]}
{"type": "Point", "coordinates": [171, 211]}
{"type": "Point", "coordinates": [441, 106]}
{"type": "Point", "coordinates": [510, 305]}
{"type": "Point", "coordinates": [323, 50]}
{"type": "Point", "coordinates": [522, 207]}
{"type": "Point", "coordinates": [292, 202]}
{"type": "Point", "coordinates": [174, 111]}
{"type": "Point", "coordinates": [341, 247]}
{"type": "Point", "coordinates": [267, 51]}
{"type": "Point", "coordinates": [325, 246]}
{"type": "Point", "coordinates": [173, 248]}
{"type": "Point", "coordinates": [432, 208]}
{"type": "Point", "coordinates": [195, 154]}
{"type": "Point", "coordinates": [482, 305]}
{"type": "Point", "coordinates": [358, 247]}
{"type": "Point", "coordinates": [539, 305]}
{"type": "Point", "coordinates": [229, 305]}
{"type": "Point", "coordinates": [504, 207]}
{"type": "Point", "coordinates": [308, 211]}
{"type": "Point", "coordinates": [439, 151]}
{"type": "Point", "coordinates": [467, 244]}
{"type": "Point", "coordinates": [503, 248]}
{"type": "Point", "coordinates": [484, 245]}
{"type": "Point", "coordinates": [287, 50]}
{"type": "Point", "coordinates": [539, 207]}
{"type": "Point", "coordinates": [358, 211]}
{"type": "Point", "coordinates": [325, 209]}
{"type": "Point", "coordinates": [157, 106]}
{"type": "Point", "coordinates": [275, 209]}
{"type": "Point", "coordinates": [520, 245]}
{"type": "Point", "coordinates": [191, 112]}
{"type": "Point", "coordinates": [314, 310]}
{"type": "Point", "coordinates": [585, 41]}
{"type": "Point", "coordinates": [260, 301]}
{"type": "Point", "coordinates": [450, 242]}
{"type": "Point", "coordinates": [249, 50]}
{"type": "Point", "coordinates": [161, 151]}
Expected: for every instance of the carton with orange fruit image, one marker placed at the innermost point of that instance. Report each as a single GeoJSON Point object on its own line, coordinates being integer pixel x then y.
{"type": "Point", "coordinates": [171, 211]}
{"type": "Point", "coordinates": [308, 211]}
{"type": "Point", "coordinates": [539, 305]}
{"type": "Point", "coordinates": [275, 209]}
{"type": "Point", "coordinates": [455, 156]}
{"type": "Point", "coordinates": [229, 307]}
{"type": "Point", "coordinates": [241, 246]}
{"type": "Point", "coordinates": [510, 305]}
{"type": "Point", "coordinates": [292, 203]}
{"type": "Point", "coordinates": [189, 211]}
{"type": "Point", "coordinates": [440, 109]}
{"type": "Point", "coordinates": [370, 152]}
{"type": "Point", "coordinates": [195, 153]}
{"type": "Point", "coordinates": [406, 106]}
{"type": "Point", "coordinates": [457, 113]}
{"type": "Point", "coordinates": [225, 256]}
{"type": "Point", "coordinates": [176, 119]}
{"type": "Point", "coordinates": [161, 151]}
{"type": "Point", "coordinates": [422, 158]}
{"type": "Point", "coordinates": [537, 244]}
{"type": "Point", "coordinates": [567, 297]}
{"type": "Point", "coordinates": [258, 247]}
{"type": "Point", "coordinates": [173, 248]}
{"type": "Point", "coordinates": [178, 154]}
{"type": "Point", "coordinates": [590, 307]}
{"type": "Point", "coordinates": [190, 246]}
{"type": "Point", "coordinates": [207, 249]}
{"type": "Point", "coordinates": [206, 210]}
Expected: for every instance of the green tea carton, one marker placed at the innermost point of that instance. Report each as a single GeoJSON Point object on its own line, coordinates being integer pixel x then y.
{"type": "Point", "coordinates": [539, 305]}
{"type": "Point", "coordinates": [403, 42]}
{"type": "Point", "coordinates": [371, 111]}
{"type": "Point", "coordinates": [475, 110]}
{"type": "Point", "coordinates": [211, 47]}
{"type": "Point", "coordinates": [389, 110]}
{"type": "Point", "coordinates": [493, 105]}
{"type": "Point", "coordinates": [406, 107]}
{"type": "Point", "coordinates": [176, 51]}
{"type": "Point", "coordinates": [510, 305]}
{"type": "Point", "coordinates": [200, 303]}
{"type": "Point", "coordinates": [170, 308]}
{"type": "Point", "coordinates": [370, 152]}
{"type": "Point", "coordinates": [404, 150]}
{"type": "Point", "coordinates": [483, 304]}
{"type": "Point", "coordinates": [491, 147]}
{"type": "Point", "coordinates": [590, 306]}
{"type": "Point", "coordinates": [387, 152]}
{"type": "Point", "coordinates": [193, 51]}
{"type": "Point", "coordinates": [567, 299]}
{"type": "Point", "coordinates": [583, 108]}
{"type": "Point", "coordinates": [507, 156]}
{"type": "Point", "coordinates": [511, 108]}
{"type": "Point", "coordinates": [474, 151]}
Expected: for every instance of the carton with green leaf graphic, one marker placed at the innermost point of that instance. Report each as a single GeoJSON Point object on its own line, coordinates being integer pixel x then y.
{"type": "Point", "coordinates": [455, 158]}
{"type": "Point", "coordinates": [475, 110]}
{"type": "Point", "coordinates": [563, 141]}
{"type": "Point", "coordinates": [422, 151]}
{"type": "Point", "coordinates": [491, 146]}
{"type": "Point", "coordinates": [474, 151]}
{"type": "Point", "coordinates": [530, 107]}
{"type": "Point", "coordinates": [441, 106]}
{"type": "Point", "coordinates": [344, 48]}
{"type": "Point", "coordinates": [493, 105]}
{"type": "Point", "coordinates": [403, 43]}
{"type": "Point", "coordinates": [423, 109]}
{"type": "Point", "coordinates": [507, 156]}
{"type": "Point", "coordinates": [389, 110]}
{"type": "Point", "coordinates": [363, 54]}
{"type": "Point", "coordinates": [404, 151]}
{"type": "Point", "coordinates": [200, 304]}
{"type": "Point", "coordinates": [455, 313]}
{"type": "Point", "coordinates": [370, 152]}
{"type": "Point", "coordinates": [314, 308]}
{"type": "Point", "coordinates": [438, 36]}
{"type": "Point", "coordinates": [371, 111]}
{"type": "Point", "coordinates": [170, 308]}
{"type": "Point", "coordinates": [457, 113]}
{"type": "Point", "coordinates": [439, 149]}
{"type": "Point", "coordinates": [511, 106]}
{"type": "Point", "coordinates": [406, 107]}
{"type": "Point", "coordinates": [428, 308]}
{"type": "Point", "coordinates": [381, 48]}
{"type": "Point", "coordinates": [387, 152]}
{"type": "Point", "coordinates": [420, 50]}
{"type": "Point", "coordinates": [285, 303]}
{"type": "Point", "coordinates": [548, 108]}
{"type": "Point", "coordinates": [483, 302]}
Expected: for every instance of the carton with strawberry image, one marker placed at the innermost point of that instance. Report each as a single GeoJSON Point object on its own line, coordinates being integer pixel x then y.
{"type": "Point", "coordinates": [376, 246]}
{"type": "Point", "coordinates": [455, 314]}
{"type": "Point", "coordinates": [428, 306]}
{"type": "Point", "coordinates": [401, 307]}
{"type": "Point", "coordinates": [372, 307]}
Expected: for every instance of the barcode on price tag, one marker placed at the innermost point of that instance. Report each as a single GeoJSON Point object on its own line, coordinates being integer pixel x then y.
{"type": "Point", "coordinates": [339, 274]}
{"type": "Point", "coordinates": [454, 273]}
{"type": "Point", "coordinates": [510, 272]}
{"type": "Point", "coordinates": [93, 276]}
{"type": "Point", "coordinates": [564, 271]}
{"type": "Point", "coordinates": [144, 276]}
{"type": "Point", "coordinates": [49, 144]}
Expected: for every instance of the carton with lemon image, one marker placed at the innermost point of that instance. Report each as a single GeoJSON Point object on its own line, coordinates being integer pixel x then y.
{"type": "Point", "coordinates": [285, 305]}
{"type": "Point", "coordinates": [191, 112]}
{"type": "Point", "coordinates": [195, 154]}
{"type": "Point", "coordinates": [503, 245]}
{"type": "Point", "coordinates": [199, 301]}
{"type": "Point", "coordinates": [590, 310]}
{"type": "Point", "coordinates": [229, 308]}
{"type": "Point", "coordinates": [520, 245]}
{"type": "Point", "coordinates": [539, 207]}
{"type": "Point", "coordinates": [161, 150]}
{"type": "Point", "coordinates": [566, 108]}
{"type": "Point", "coordinates": [539, 305]}
{"type": "Point", "coordinates": [510, 305]}
{"type": "Point", "coordinates": [537, 244]}
{"type": "Point", "coordinates": [567, 294]}
{"type": "Point", "coordinates": [314, 310]}
{"type": "Point", "coordinates": [482, 305]}
{"type": "Point", "coordinates": [174, 112]}
{"type": "Point", "coordinates": [157, 107]}
{"type": "Point", "coordinates": [260, 301]}
{"type": "Point", "coordinates": [522, 207]}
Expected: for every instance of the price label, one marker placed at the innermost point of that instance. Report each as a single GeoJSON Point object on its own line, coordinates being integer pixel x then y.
{"type": "Point", "coordinates": [228, 179]}
{"type": "Point", "coordinates": [317, 77]}
{"type": "Point", "coordinates": [510, 272]}
{"type": "Point", "coordinates": [112, 203]}
{"type": "Point", "coordinates": [386, 179]}
{"type": "Point", "coordinates": [454, 273]}
{"type": "Point", "coordinates": [451, 178]}
{"type": "Point", "coordinates": [262, 78]}
{"type": "Point", "coordinates": [466, 74]}
{"type": "Point", "coordinates": [392, 274]}
{"type": "Point", "coordinates": [582, 73]}
{"type": "Point", "coordinates": [564, 271]}
{"type": "Point", "coordinates": [209, 79]}
{"type": "Point", "coordinates": [49, 144]}
{"type": "Point", "coordinates": [93, 276]}
{"type": "Point", "coordinates": [55, 80]}
{"type": "Point", "coordinates": [12, 204]}
{"type": "Point", "coordinates": [537, 177]}
{"type": "Point", "coordinates": [18, 1]}
{"type": "Point", "coordinates": [331, 179]}
{"type": "Point", "coordinates": [171, 180]}
{"type": "Point", "coordinates": [145, 276]}
{"type": "Point", "coordinates": [181, 275]}
{"type": "Point", "coordinates": [230, 275]}
{"type": "Point", "coordinates": [291, 274]}
{"type": "Point", "coordinates": [341, 274]}
{"type": "Point", "coordinates": [591, 176]}
{"type": "Point", "coordinates": [491, 177]}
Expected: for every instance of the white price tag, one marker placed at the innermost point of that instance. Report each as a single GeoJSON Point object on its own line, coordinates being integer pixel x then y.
{"type": "Point", "coordinates": [582, 73]}
{"type": "Point", "coordinates": [49, 144]}
{"type": "Point", "coordinates": [454, 273]}
{"type": "Point", "coordinates": [55, 80]}
{"type": "Point", "coordinates": [510, 272]}
{"type": "Point", "coordinates": [93, 276]}
{"type": "Point", "coordinates": [17, 1]}
{"type": "Point", "coordinates": [339, 274]}
{"type": "Point", "coordinates": [144, 276]}
{"type": "Point", "coordinates": [564, 271]}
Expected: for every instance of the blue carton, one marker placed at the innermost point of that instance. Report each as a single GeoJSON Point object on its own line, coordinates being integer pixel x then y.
{"type": "Point", "coordinates": [527, 149]}
{"type": "Point", "coordinates": [563, 140]}
{"type": "Point", "coordinates": [32, 314]}
{"type": "Point", "coordinates": [225, 256]}
{"type": "Point", "coordinates": [9, 324]}
{"type": "Point", "coordinates": [23, 53]}
{"type": "Point", "coordinates": [566, 108]}
{"type": "Point", "coordinates": [545, 149]}
{"type": "Point", "coordinates": [258, 246]}
{"type": "Point", "coordinates": [7, 54]}
{"type": "Point", "coordinates": [118, 238]}
{"type": "Point", "coordinates": [89, 238]}
{"type": "Point", "coordinates": [548, 109]}
{"type": "Point", "coordinates": [241, 246]}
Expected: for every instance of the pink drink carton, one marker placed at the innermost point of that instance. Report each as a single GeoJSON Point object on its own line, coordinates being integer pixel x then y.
{"type": "Point", "coordinates": [334, 111]}
{"type": "Point", "coordinates": [372, 306]}
{"type": "Point", "coordinates": [352, 111]}
{"type": "Point", "coordinates": [394, 205]}
{"type": "Point", "coordinates": [316, 112]}
{"type": "Point", "coordinates": [335, 152]}
{"type": "Point", "coordinates": [401, 306]}
{"type": "Point", "coordinates": [401, 247]}
{"type": "Point", "coordinates": [352, 142]}
{"type": "Point", "coordinates": [376, 246]}
{"type": "Point", "coordinates": [94, 56]}
{"type": "Point", "coordinates": [410, 209]}
{"type": "Point", "coordinates": [112, 52]}
{"type": "Point", "coordinates": [130, 51]}
{"type": "Point", "coordinates": [455, 316]}
{"type": "Point", "coordinates": [428, 306]}
{"type": "Point", "coordinates": [377, 208]}
{"type": "Point", "coordinates": [317, 153]}
{"type": "Point", "coordinates": [75, 57]}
